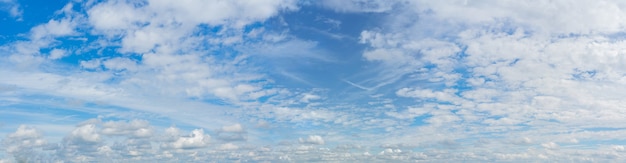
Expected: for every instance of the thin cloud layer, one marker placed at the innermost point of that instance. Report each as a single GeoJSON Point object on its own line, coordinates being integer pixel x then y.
{"type": "Point", "coordinates": [306, 81]}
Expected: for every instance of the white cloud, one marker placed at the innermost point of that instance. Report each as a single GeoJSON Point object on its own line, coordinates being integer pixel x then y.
{"type": "Point", "coordinates": [410, 113]}
{"type": "Point", "coordinates": [295, 114]}
{"type": "Point", "coordinates": [134, 128]}
{"type": "Point", "coordinates": [176, 147]}
{"type": "Point", "coordinates": [550, 145]}
{"type": "Point", "coordinates": [514, 73]}
{"type": "Point", "coordinates": [90, 64]}
{"type": "Point", "coordinates": [13, 8]}
{"type": "Point", "coordinates": [221, 12]}
{"type": "Point", "coordinates": [57, 53]}
{"type": "Point", "coordinates": [236, 128]}
{"type": "Point", "coordinates": [115, 15]}
{"type": "Point", "coordinates": [312, 139]}
{"type": "Point", "coordinates": [232, 136]}
{"type": "Point", "coordinates": [160, 22]}
{"type": "Point", "coordinates": [54, 28]}
{"type": "Point", "coordinates": [228, 146]}
{"type": "Point", "coordinates": [197, 139]}
{"type": "Point", "coordinates": [618, 147]}
{"type": "Point", "coordinates": [359, 5]}
{"type": "Point", "coordinates": [517, 68]}
{"type": "Point", "coordinates": [118, 64]}
{"type": "Point", "coordinates": [555, 17]}
{"type": "Point", "coordinates": [86, 133]}
{"type": "Point", "coordinates": [447, 95]}
{"type": "Point", "coordinates": [23, 142]}
{"type": "Point", "coordinates": [307, 98]}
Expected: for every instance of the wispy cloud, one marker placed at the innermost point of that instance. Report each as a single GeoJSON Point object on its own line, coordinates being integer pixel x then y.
{"type": "Point", "coordinates": [13, 8]}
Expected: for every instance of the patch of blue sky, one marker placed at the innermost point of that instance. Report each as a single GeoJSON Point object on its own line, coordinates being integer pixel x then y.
{"type": "Point", "coordinates": [420, 120]}
{"type": "Point", "coordinates": [595, 129]}
{"type": "Point", "coordinates": [43, 113]}
{"type": "Point", "coordinates": [335, 35]}
{"type": "Point", "coordinates": [337, 32]}
{"type": "Point", "coordinates": [208, 30]}
{"type": "Point", "coordinates": [584, 74]}
{"type": "Point", "coordinates": [54, 103]}
{"type": "Point", "coordinates": [277, 136]}
{"type": "Point", "coordinates": [33, 14]}
{"type": "Point", "coordinates": [63, 109]}
{"type": "Point", "coordinates": [252, 27]}
{"type": "Point", "coordinates": [213, 100]}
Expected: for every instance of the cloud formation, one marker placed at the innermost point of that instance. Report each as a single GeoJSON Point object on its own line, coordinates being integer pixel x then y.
{"type": "Point", "coordinates": [305, 81]}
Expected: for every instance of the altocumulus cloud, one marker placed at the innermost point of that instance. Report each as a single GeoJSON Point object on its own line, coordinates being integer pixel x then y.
{"type": "Point", "coordinates": [313, 81]}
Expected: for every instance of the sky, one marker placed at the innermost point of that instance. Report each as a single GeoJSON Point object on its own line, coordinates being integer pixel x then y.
{"type": "Point", "coordinates": [313, 81]}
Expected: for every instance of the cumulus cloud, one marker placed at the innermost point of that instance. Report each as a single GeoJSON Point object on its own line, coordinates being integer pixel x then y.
{"type": "Point", "coordinates": [54, 28]}
{"type": "Point", "coordinates": [618, 147]}
{"type": "Point", "coordinates": [23, 143]}
{"type": "Point", "coordinates": [312, 139]}
{"type": "Point", "coordinates": [85, 133]}
{"type": "Point", "coordinates": [171, 145]}
{"type": "Point", "coordinates": [492, 80]}
{"type": "Point", "coordinates": [197, 139]}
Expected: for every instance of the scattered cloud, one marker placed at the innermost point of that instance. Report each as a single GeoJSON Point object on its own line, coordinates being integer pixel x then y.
{"type": "Point", "coordinates": [312, 139]}
{"type": "Point", "coordinates": [13, 8]}
{"type": "Point", "coordinates": [300, 81]}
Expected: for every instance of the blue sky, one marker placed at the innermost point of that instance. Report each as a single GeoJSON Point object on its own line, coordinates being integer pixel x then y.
{"type": "Point", "coordinates": [312, 81]}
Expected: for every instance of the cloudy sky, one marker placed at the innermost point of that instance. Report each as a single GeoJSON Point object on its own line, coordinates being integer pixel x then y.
{"type": "Point", "coordinates": [309, 80]}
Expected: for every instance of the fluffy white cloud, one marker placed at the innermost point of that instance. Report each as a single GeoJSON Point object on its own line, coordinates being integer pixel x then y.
{"type": "Point", "coordinates": [22, 143]}
{"type": "Point", "coordinates": [493, 80]}
{"type": "Point", "coordinates": [197, 139]}
{"type": "Point", "coordinates": [173, 147]}
{"type": "Point", "coordinates": [518, 71]}
{"type": "Point", "coordinates": [618, 147]}
{"type": "Point", "coordinates": [54, 28]}
{"type": "Point", "coordinates": [86, 133]}
{"type": "Point", "coordinates": [312, 139]}
{"type": "Point", "coordinates": [159, 22]}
